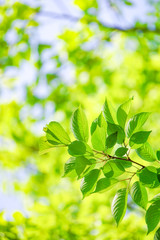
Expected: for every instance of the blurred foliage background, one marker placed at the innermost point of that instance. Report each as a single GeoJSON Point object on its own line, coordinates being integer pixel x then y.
{"type": "Point", "coordinates": [55, 55]}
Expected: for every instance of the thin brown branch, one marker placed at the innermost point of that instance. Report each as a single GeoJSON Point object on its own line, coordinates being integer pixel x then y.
{"type": "Point", "coordinates": [127, 159]}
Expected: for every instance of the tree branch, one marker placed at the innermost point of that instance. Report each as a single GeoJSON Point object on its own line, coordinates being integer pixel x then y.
{"type": "Point", "coordinates": [126, 159]}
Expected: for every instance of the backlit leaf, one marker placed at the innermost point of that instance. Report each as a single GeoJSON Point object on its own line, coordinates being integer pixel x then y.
{"type": "Point", "coordinates": [119, 205]}
{"type": "Point", "coordinates": [55, 134]}
{"type": "Point", "coordinates": [139, 194]}
{"type": "Point", "coordinates": [104, 184]}
{"type": "Point", "coordinates": [146, 152]}
{"type": "Point", "coordinates": [122, 112]}
{"type": "Point", "coordinates": [77, 148]}
{"type": "Point", "coordinates": [139, 138]}
{"type": "Point", "coordinates": [148, 177]}
{"type": "Point", "coordinates": [121, 151]}
{"type": "Point", "coordinates": [89, 181]}
{"type": "Point", "coordinates": [136, 122]}
{"type": "Point", "coordinates": [153, 216]}
{"type": "Point", "coordinates": [80, 125]}
{"type": "Point", "coordinates": [109, 112]}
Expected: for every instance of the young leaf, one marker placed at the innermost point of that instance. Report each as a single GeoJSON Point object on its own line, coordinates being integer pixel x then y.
{"type": "Point", "coordinates": [69, 166]}
{"type": "Point", "coordinates": [119, 205]}
{"type": "Point", "coordinates": [44, 146]}
{"type": "Point", "coordinates": [56, 134]}
{"type": "Point", "coordinates": [111, 140]}
{"type": "Point", "coordinates": [113, 169]}
{"type": "Point", "coordinates": [157, 234]}
{"type": "Point", "coordinates": [148, 177]}
{"type": "Point", "coordinates": [139, 194]}
{"type": "Point", "coordinates": [101, 122]}
{"type": "Point", "coordinates": [104, 184]}
{"type": "Point", "coordinates": [136, 122]}
{"type": "Point", "coordinates": [77, 148]}
{"type": "Point", "coordinates": [139, 138]}
{"type": "Point", "coordinates": [109, 112]}
{"type": "Point", "coordinates": [146, 152]}
{"type": "Point", "coordinates": [153, 216]}
{"type": "Point", "coordinates": [113, 128]}
{"type": "Point", "coordinates": [89, 181]}
{"type": "Point", "coordinates": [122, 112]}
{"type": "Point", "coordinates": [80, 125]}
{"type": "Point", "coordinates": [98, 138]}
{"type": "Point", "coordinates": [121, 151]}
{"type": "Point", "coordinates": [80, 164]}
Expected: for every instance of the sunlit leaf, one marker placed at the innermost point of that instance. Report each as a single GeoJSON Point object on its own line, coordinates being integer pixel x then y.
{"type": "Point", "coordinates": [146, 152]}
{"type": "Point", "coordinates": [153, 216]}
{"type": "Point", "coordinates": [148, 177]}
{"type": "Point", "coordinates": [77, 148]}
{"type": "Point", "coordinates": [139, 194]}
{"type": "Point", "coordinates": [55, 134]}
{"type": "Point", "coordinates": [122, 112]}
{"type": "Point", "coordinates": [89, 181]}
{"type": "Point", "coordinates": [80, 125]}
{"type": "Point", "coordinates": [119, 205]}
{"type": "Point", "coordinates": [121, 151]}
{"type": "Point", "coordinates": [104, 184]}
{"type": "Point", "coordinates": [136, 122]}
{"type": "Point", "coordinates": [139, 138]}
{"type": "Point", "coordinates": [109, 112]}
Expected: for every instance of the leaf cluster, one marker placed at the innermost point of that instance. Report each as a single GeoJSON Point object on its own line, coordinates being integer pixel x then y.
{"type": "Point", "coordinates": [101, 157]}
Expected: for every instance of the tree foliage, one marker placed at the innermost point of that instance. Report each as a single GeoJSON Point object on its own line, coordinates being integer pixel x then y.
{"type": "Point", "coordinates": [106, 171]}
{"type": "Point", "coordinates": [55, 59]}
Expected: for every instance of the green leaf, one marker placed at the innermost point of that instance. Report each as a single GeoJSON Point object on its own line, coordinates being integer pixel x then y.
{"type": "Point", "coordinates": [136, 122]}
{"type": "Point", "coordinates": [139, 194]}
{"type": "Point", "coordinates": [44, 146]}
{"type": "Point", "coordinates": [109, 112]}
{"type": "Point", "coordinates": [56, 134]}
{"type": "Point", "coordinates": [98, 139]}
{"type": "Point", "coordinates": [87, 170]}
{"type": "Point", "coordinates": [113, 128]}
{"type": "Point", "coordinates": [80, 164]}
{"type": "Point", "coordinates": [104, 184]}
{"type": "Point", "coordinates": [102, 122]}
{"type": "Point", "coordinates": [122, 112]}
{"type": "Point", "coordinates": [158, 155]}
{"type": "Point", "coordinates": [139, 138]}
{"type": "Point", "coordinates": [80, 125]}
{"type": "Point", "coordinates": [157, 234]}
{"type": "Point", "coordinates": [148, 177]}
{"type": "Point", "coordinates": [121, 151]}
{"type": "Point", "coordinates": [146, 152]}
{"type": "Point", "coordinates": [113, 169]}
{"type": "Point", "coordinates": [111, 140]}
{"type": "Point", "coordinates": [119, 205]}
{"type": "Point", "coordinates": [77, 148]}
{"type": "Point", "coordinates": [69, 166]}
{"type": "Point", "coordinates": [124, 163]}
{"type": "Point", "coordinates": [89, 181]}
{"type": "Point", "coordinates": [98, 133]}
{"type": "Point", "coordinates": [156, 198]}
{"type": "Point", "coordinates": [153, 216]}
